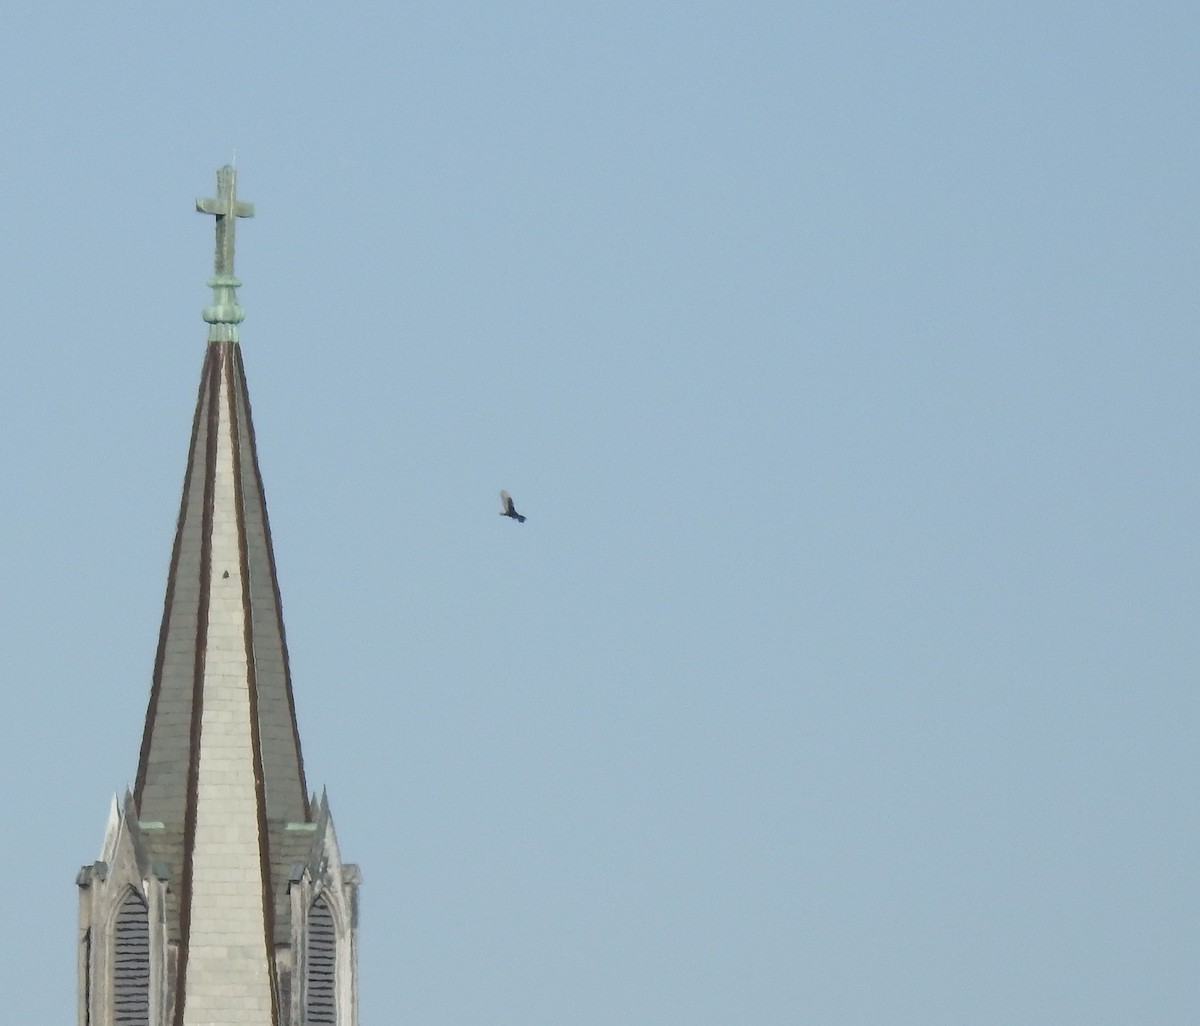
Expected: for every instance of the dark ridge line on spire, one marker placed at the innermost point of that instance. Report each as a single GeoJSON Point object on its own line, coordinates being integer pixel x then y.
{"type": "Point", "coordinates": [237, 388]}
{"type": "Point", "coordinates": [213, 376]}
{"type": "Point", "coordinates": [244, 394]}
{"type": "Point", "coordinates": [168, 605]}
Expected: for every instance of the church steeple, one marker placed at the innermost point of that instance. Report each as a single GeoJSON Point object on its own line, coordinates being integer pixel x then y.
{"type": "Point", "coordinates": [218, 849]}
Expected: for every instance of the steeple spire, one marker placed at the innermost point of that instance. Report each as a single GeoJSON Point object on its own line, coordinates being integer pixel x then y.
{"type": "Point", "coordinates": [224, 314]}
{"type": "Point", "coordinates": [220, 895]}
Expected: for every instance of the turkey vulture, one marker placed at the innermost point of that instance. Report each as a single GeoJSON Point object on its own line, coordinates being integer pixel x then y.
{"type": "Point", "coordinates": [509, 510]}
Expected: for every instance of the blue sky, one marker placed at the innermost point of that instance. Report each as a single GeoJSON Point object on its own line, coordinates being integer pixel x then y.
{"type": "Point", "coordinates": [843, 357]}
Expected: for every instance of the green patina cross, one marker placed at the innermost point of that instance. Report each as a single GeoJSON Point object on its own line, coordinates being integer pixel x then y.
{"type": "Point", "coordinates": [227, 210]}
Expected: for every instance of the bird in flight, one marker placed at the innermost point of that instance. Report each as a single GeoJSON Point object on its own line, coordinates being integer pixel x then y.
{"type": "Point", "coordinates": [508, 509]}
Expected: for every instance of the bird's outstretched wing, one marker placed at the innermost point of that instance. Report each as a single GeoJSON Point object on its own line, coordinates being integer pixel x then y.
{"type": "Point", "coordinates": [508, 509]}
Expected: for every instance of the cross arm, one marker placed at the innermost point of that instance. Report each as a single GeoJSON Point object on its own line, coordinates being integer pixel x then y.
{"type": "Point", "coordinates": [220, 207]}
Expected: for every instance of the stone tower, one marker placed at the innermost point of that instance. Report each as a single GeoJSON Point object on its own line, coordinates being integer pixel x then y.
{"type": "Point", "coordinates": [220, 897]}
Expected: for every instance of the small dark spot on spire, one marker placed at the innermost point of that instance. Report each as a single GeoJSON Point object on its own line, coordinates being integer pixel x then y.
{"type": "Point", "coordinates": [225, 574]}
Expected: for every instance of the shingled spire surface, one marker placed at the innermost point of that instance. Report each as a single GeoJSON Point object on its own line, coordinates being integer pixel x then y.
{"type": "Point", "coordinates": [222, 615]}
{"type": "Point", "coordinates": [220, 847]}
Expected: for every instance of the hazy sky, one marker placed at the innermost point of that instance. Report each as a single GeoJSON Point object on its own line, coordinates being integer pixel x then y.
{"type": "Point", "coordinates": [844, 359]}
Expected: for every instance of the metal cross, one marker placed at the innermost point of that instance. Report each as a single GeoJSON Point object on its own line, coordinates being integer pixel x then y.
{"type": "Point", "coordinates": [227, 210]}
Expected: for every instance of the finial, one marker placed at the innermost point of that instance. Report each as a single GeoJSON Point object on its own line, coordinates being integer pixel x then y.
{"type": "Point", "coordinates": [224, 314]}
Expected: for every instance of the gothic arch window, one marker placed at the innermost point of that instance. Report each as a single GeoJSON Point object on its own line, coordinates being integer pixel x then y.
{"type": "Point", "coordinates": [320, 962]}
{"type": "Point", "coordinates": [131, 962]}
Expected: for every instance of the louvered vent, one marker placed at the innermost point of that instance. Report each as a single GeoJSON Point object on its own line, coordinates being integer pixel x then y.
{"type": "Point", "coordinates": [131, 964]}
{"type": "Point", "coordinates": [321, 961]}
{"type": "Point", "coordinates": [87, 978]}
